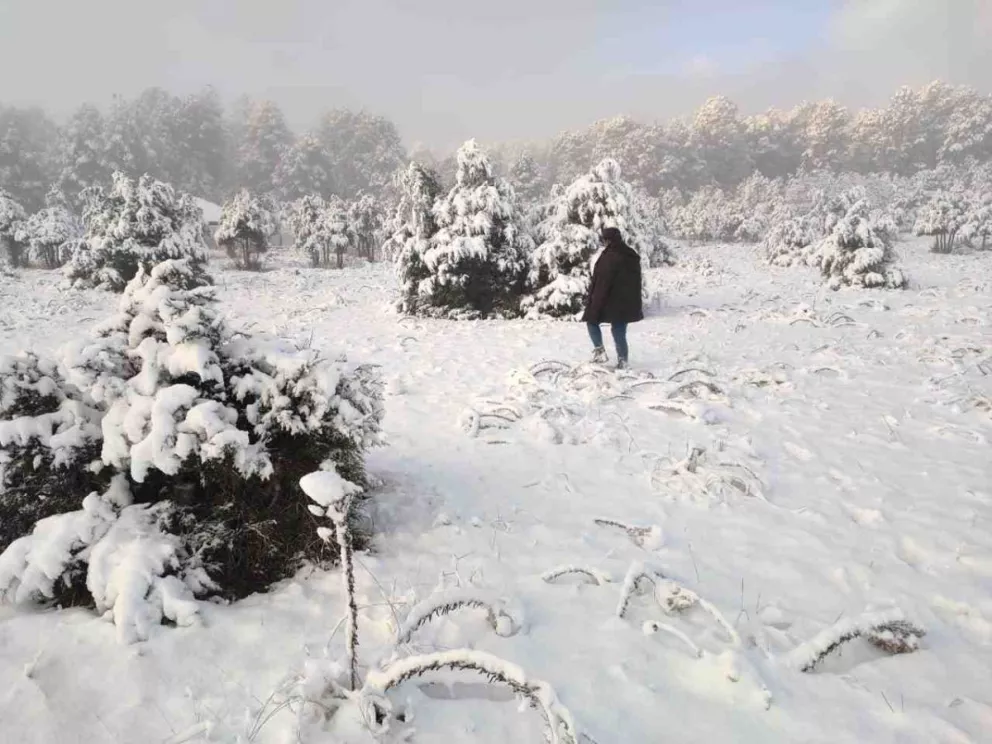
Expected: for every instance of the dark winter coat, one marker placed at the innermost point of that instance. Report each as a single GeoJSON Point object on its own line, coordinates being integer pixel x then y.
{"type": "Point", "coordinates": [615, 290]}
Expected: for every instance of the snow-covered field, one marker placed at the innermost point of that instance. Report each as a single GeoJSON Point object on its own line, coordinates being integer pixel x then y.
{"type": "Point", "coordinates": [847, 469]}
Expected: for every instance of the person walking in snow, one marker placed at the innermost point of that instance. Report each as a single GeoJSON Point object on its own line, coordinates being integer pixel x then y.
{"type": "Point", "coordinates": [614, 296]}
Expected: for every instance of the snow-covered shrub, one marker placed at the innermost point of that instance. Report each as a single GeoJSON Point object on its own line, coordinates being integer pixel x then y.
{"type": "Point", "coordinates": [412, 228]}
{"type": "Point", "coordinates": [568, 236]}
{"type": "Point", "coordinates": [858, 251]}
{"type": "Point", "coordinates": [804, 218]}
{"type": "Point", "coordinates": [758, 201]}
{"type": "Point", "coordinates": [477, 260]}
{"type": "Point", "coordinates": [246, 223]}
{"type": "Point", "coordinates": [207, 430]}
{"type": "Point", "coordinates": [321, 230]}
{"type": "Point", "coordinates": [788, 240]}
{"type": "Point", "coordinates": [12, 214]}
{"type": "Point", "coordinates": [707, 215]}
{"type": "Point", "coordinates": [50, 234]}
{"type": "Point", "coordinates": [48, 437]}
{"type": "Point", "coordinates": [135, 225]}
{"type": "Point", "coordinates": [942, 216]}
{"type": "Point", "coordinates": [646, 228]}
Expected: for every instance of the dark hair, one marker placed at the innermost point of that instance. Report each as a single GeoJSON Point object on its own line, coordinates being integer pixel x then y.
{"type": "Point", "coordinates": [611, 236]}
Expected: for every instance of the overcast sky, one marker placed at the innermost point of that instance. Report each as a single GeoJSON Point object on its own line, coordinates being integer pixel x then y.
{"type": "Point", "coordinates": [445, 70]}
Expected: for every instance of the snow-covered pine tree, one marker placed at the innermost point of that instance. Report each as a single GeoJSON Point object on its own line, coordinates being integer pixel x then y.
{"type": "Point", "coordinates": [477, 260]}
{"type": "Point", "coordinates": [338, 227]}
{"type": "Point", "coordinates": [12, 214]}
{"type": "Point", "coordinates": [858, 251]}
{"type": "Point", "coordinates": [365, 225]}
{"type": "Point", "coordinates": [52, 233]}
{"type": "Point", "coordinates": [527, 180]}
{"type": "Point", "coordinates": [646, 225]}
{"type": "Point", "coordinates": [321, 230]}
{"type": "Point", "coordinates": [164, 454]}
{"type": "Point", "coordinates": [27, 137]}
{"type": "Point", "coordinates": [788, 240]}
{"type": "Point", "coordinates": [365, 150]}
{"type": "Point", "coordinates": [306, 222]}
{"type": "Point", "coordinates": [45, 427]}
{"type": "Point", "coordinates": [82, 156]}
{"type": "Point", "coordinates": [135, 225]}
{"type": "Point", "coordinates": [757, 201]}
{"type": "Point", "coordinates": [246, 223]}
{"type": "Point", "coordinates": [561, 266]}
{"type": "Point", "coordinates": [413, 226]}
{"type": "Point", "coordinates": [942, 216]}
{"type": "Point", "coordinates": [707, 215]}
{"type": "Point", "coordinates": [305, 168]}
{"type": "Point", "coordinates": [265, 138]}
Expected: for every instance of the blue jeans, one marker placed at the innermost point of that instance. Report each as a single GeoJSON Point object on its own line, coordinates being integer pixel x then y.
{"type": "Point", "coordinates": [619, 331]}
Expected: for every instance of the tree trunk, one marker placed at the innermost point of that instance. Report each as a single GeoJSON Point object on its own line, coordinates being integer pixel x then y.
{"type": "Point", "coordinates": [340, 258]}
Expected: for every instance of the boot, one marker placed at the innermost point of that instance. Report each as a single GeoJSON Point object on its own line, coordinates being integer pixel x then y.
{"type": "Point", "coordinates": [599, 355]}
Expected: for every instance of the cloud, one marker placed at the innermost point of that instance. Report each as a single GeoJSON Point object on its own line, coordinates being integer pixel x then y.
{"type": "Point", "coordinates": [446, 70]}
{"type": "Point", "coordinates": [883, 44]}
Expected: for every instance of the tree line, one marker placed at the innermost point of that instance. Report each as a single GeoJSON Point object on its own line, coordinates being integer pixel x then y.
{"type": "Point", "coordinates": [197, 145]}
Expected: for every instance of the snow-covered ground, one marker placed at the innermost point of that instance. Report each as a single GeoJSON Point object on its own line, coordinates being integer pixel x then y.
{"type": "Point", "coordinates": [847, 469]}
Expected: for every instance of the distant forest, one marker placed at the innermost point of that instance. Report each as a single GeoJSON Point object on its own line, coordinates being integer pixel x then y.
{"type": "Point", "coordinates": [203, 148]}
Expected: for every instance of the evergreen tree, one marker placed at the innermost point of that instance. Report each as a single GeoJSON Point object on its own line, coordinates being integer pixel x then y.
{"type": "Point", "coordinates": [134, 225]}
{"type": "Point", "coordinates": [942, 216]}
{"type": "Point", "coordinates": [170, 447]}
{"type": "Point", "coordinates": [246, 224]}
{"type": "Point", "coordinates": [12, 214]}
{"type": "Point", "coordinates": [51, 234]}
{"type": "Point", "coordinates": [365, 150]}
{"type": "Point", "coordinates": [27, 142]}
{"type": "Point", "coordinates": [412, 228]}
{"type": "Point", "coordinates": [137, 135]}
{"type": "Point", "coordinates": [718, 135]}
{"type": "Point", "coordinates": [321, 230]}
{"type": "Point", "coordinates": [82, 153]}
{"type": "Point", "coordinates": [202, 144]}
{"type": "Point", "coordinates": [310, 235]}
{"type": "Point", "coordinates": [561, 266]}
{"type": "Point", "coordinates": [525, 176]}
{"type": "Point", "coordinates": [338, 227]}
{"type": "Point", "coordinates": [773, 142]}
{"type": "Point", "coordinates": [304, 169]}
{"type": "Point", "coordinates": [858, 251]}
{"type": "Point", "coordinates": [478, 257]}
{"type": "Point", "coordinates": [365, 224]}
{"type": "Point", "coordinates": [264, 140]}
{"type": "Point", "coordinates": [821, 130]}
